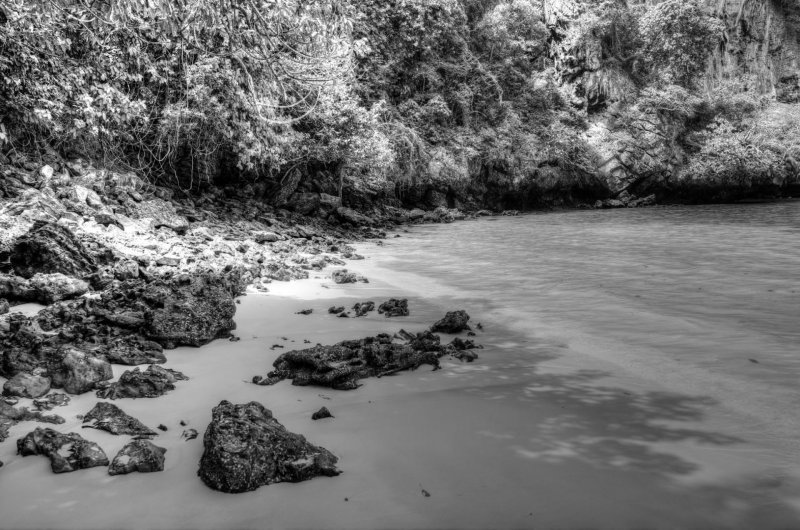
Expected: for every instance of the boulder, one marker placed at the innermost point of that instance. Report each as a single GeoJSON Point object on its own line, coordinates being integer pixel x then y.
{"type": "Point", "coordinates": [51, 401]}
{"type": "Point", "coordinates": [349, 215]}
{"type": "Point", "coordinates": [163, 214]}
{"type": "Point", "coordinates": [109, 417]}
{"type": "Point", "coordinates": [333, 310]}
{"type": "Point", "coordinates": [266, 237]}
{"type": "Point", "coordinates": [342, 365]}
{"type": "Point", "coordinates": [42, 288]}
{"type": "Point", "coordinates": [343, 276]}
{"type": "Point", "coordinates": [138, 455]}
{"type": "Point", "coordinates": [153, 382]}
{"type": "Point", "coordinates": [67, 452]}
{"type": "Point", "coordinates": [453, 322]}
{"type": "Point", "coordinates": [245, 448]}
{"type": "Point", "coordinates": [394, 307]}
{"type": "Point", "coordinates": [322, 414]}
{"type": "Point", "coordinates": [27, 386]}
{"type": "Point", "coordinates": [51, 248]}
{"type": "Point", "coordinates": [362, 308]}
{"type": "Point", "coordinates": [77, 371]}
{"type": "Point", "coordinates": [133, 350]}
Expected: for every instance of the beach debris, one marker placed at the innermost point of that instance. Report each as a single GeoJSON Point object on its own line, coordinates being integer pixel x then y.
{"type": "Point", "coordinates": [394, 307]}
{"type": "Point", "coordinates": [138, 455]}
{"type": "Point", "coordinates": [362, 308]}
{"type": "Point", "coordinates": [153, 382]}
{"type": "Point", "coordinates": [245, 448]}
{"type": "Point", "coordinates": [321, 414]}
{"type": "Point", "coordinates": [305, 312]}
{"type": "Point", "coordinates": [109, 417]}
{"type": "Point", "coordinates": [67, 452]}
{"type": "Point", "coordinates": [453, 322]}
{"type": "Point", "coordinates": [425, 493]}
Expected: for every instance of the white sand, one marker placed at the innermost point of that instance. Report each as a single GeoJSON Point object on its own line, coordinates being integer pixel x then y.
{"type": "Point", "coordinates": [498, 443]}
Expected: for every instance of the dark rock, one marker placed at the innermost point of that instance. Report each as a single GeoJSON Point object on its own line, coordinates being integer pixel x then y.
{"type": "Point", "coordinates": [10, 416]}
{"type": "Point", "coordinates": [162, 427]}
{"type": "Point", "coordinates": [42, 288]}
{"type": "Point", "coordinates": [342, 276]}
{"type": "Point", "coordinates": [266, 237]}
{"type": "Point", "coordinates": [51, 401]}
{"type": "Point", "coordinates": [453, 322]}
{"type": "Point", "coordinates": [245, 447]}
{"type": "Point", "coordinates": [362, 308]}
{"type": "Point", "coordinates": [133, 350]}
{"type": "Point", "coordinates": [305, 312]}
{"type": "Point", "coordinates": [106, 219]}
{"type": "Point", "coordinates": [343, 315]}
{"type": "Point", "coordinates": [109, 417]}
{"type": "Point", "coordinates": [189, 434]}
{"type": "Point", "coordinates": [394, 308]}
{"type": "Point", "coordinates": [304, 203]}
{"type": "Point", "coordinates": [5, 307]}
{"type": "Point", "coordinates": [333, 310]}
{"type": "Point", "coordinates": [76, 371]}
{"type": "Point", "coordinates": [138, 455]}
{"type": "Point", "coordinates": [51, 248]}
{"type": "Point", "coordinates": [342, 365]}
{"type": "Point", "coordinates": [153, 382]}
{"type": "Point", "coordinates": [27, 386]}
{"type": "Point", "coordinates": [67, 452]}
{"type": "Point", "coordinates": [349, 215]}
{"type": "Point", "coordinates": [321, 414]}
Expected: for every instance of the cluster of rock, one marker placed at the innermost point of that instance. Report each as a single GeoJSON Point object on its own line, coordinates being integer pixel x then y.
{"type": "Point", "coordinates": [342, 365]}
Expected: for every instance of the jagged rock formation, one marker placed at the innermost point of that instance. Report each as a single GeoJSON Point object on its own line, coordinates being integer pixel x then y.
{"type": "Point", "coordinates": [153, 382]}
{"type": "Point", "coordinates": [245, 448]}
{"type": "Point", "coordinates": [109, 417]}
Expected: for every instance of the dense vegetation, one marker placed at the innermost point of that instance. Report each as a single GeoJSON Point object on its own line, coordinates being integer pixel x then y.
{"type": "Point", "coordinates": [545, 100]}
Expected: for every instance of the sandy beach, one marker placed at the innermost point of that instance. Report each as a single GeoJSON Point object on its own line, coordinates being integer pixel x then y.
{"type": "Point", "coordinates": [516, 439]}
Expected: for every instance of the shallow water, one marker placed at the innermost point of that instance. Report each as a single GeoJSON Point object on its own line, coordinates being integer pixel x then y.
{"type": "Point", "coordinates": [615, 391]}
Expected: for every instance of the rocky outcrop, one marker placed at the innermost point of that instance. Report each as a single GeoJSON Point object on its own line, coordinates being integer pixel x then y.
{"type": "Point", "coordinates": [453, 322]}
{"type": "Point", "coordinates": [109, 417]}
{"type": "Point", "coordinates": [134, 350]}
{"type": "Point", "coordinates": [394, 308]}
{"type": "Point", "coordinates": [342, 365]}
{"type": "Point", "coordinates": [67, 452]}
{"type": "Point", "coordinates": [42, 288]}
{"type": "Point", "coordinates": [344, 276]}
{"type": "Point", "coordinates": [245, 448]}
{"type": "Point", "coordinates": [51, 248]}
{"type": "Point", "coordinates": [138, 455]}
{"type": "Point", "coordinates": [153, 382]}
{"type": "Point", "coordinates": [27, 386]}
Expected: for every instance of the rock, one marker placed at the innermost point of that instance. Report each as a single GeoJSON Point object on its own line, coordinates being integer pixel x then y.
{"type": "Point", "coordinates": [162, 427]}
{"type": "Point", "coordinates": [328, 204]}
{"type": "Point", "coordinates": [109, 417]}
{"type": "Point", "coordinates": [394, 308]}
{"type": "Point", "coordinates": [321, 414]}
{"type": "Point", "coordinates": [342, 365]}
{"type": "Point", "coordinates": [27, 386]}
{"type": "Point", "coordinates": [5, 307]}
{"type": "Point", "coordinates": [126, 270]}
{"type": "Point", "coordinates": [416, 214]}
{"type": "Point", "coordinates": [51, 401]}
{"type": "Point", "coordinates": [76, 371]}
{"type": "Point", "coordinates": [245, 448]}
{"type": "Point", "coordinates": [343, 276]}
{"type": "Point", "coordinates": [163, 214]}
{"type": "Point", "coordinates": [510, 213]}
{"type": "Point", "coordinates": [51, 248]}
{"type": "Point", "coordinates": [362, 308]}
{"type": "Point", "coordinates": [10, 416]}
{"type": "Point", "coordinates": [138, 455]}
{"type": "Point", "coordinates": [67, 452]}
{"type": "Point", "coordinates": [153, 382]}
{"type": "Point", "coordinates": [189, 434]}
{"type": "Point", "coordinates": [333, 310]}
{"type": "Point", "coordinates": [304, 203]}
{"type": "Point", "coordinates": [349, 215]}
{"type": "Point", "coordinates": [168, 261]}
{"type": "Point", "coordinates": [133, 350]}
{"type": "Point", "coordinates": [107, 219]}
{"type": "Point", "coordinates": [304, 312]}
{"type": "Point", "coordinates": [51, 288]}
{"type": "Point", "coordinates": [266, 237]}
{"type": "Point", "coordinates": [453, 322]}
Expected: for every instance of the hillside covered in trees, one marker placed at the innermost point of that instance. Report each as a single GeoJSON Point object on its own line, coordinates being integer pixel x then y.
{"type": "Point", "coordinates": [463, 103]}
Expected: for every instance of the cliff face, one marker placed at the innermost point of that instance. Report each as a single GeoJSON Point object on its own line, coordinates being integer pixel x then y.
{"type": "Point", "coordinates": [761, 39]}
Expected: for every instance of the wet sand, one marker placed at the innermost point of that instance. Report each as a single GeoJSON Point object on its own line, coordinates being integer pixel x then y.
{"type": "Point", "coordinates": [531, 435]}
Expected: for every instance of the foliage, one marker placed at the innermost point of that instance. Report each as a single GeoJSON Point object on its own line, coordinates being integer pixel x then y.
{"type": "Point", "coordinates": [678, 37]}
